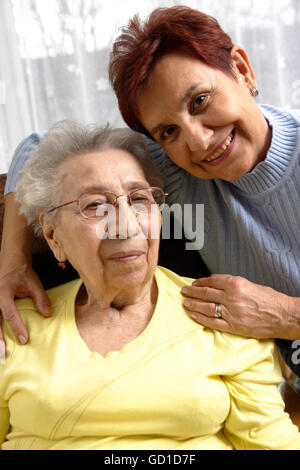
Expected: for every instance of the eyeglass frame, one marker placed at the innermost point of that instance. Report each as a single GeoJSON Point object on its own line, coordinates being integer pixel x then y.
{"type": "Point", "coordinates": [128, 196]}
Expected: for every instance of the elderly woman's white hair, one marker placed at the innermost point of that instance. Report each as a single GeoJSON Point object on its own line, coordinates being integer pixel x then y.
{"type": "Point", "coordinates": [39, 186]}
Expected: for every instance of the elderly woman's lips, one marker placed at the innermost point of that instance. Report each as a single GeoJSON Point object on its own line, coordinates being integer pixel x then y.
{"type": "Point", "coordinates": [125, 256]}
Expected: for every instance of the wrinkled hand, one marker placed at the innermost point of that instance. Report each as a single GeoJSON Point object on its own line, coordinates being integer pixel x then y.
{"type": "Point", "coordinates": [247, 309]}
{"type": "Point", "coordinates": [20, 281]}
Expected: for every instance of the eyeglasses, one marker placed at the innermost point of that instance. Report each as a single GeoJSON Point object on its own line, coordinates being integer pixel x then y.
{"type": "Point", "coordinates": [95, 205]}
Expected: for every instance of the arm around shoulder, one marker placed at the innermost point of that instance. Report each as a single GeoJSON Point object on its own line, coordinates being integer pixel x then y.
{"type": "Point", "coordinates": [17, 278]}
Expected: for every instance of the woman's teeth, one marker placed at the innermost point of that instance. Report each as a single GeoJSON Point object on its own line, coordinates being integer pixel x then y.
{"type": "Point", "coordinates": [221, 150]}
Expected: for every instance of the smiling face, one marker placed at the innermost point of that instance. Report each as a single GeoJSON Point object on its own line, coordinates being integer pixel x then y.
{"type": "Point", "coordinates": [207, 122]}
{"type": "Point", "coordinates": [103, 264]}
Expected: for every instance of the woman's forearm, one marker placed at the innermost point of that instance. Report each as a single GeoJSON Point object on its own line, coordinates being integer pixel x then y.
{"type": "Point", "coordinates": [294, 317]}
{"type": "Point", "coordinates": [17, 278]}
{"type": "Point", "coordinates": [17, 236]}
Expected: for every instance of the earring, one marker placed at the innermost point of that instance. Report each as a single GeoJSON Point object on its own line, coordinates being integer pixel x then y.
{"type": "Point", "coordinates": [254, 92]}
{"type": "Point", "coordinates": [62, 265]}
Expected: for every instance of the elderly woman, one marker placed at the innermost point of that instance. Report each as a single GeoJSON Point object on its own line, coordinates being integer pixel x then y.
{"type": "Point", "coordinates": [120, 364]}
{"type": "Point", "coordinates": [181, 81]}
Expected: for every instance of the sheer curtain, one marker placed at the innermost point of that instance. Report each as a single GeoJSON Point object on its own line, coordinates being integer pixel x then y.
{"type": "Point", "coordinates": [54, 56]}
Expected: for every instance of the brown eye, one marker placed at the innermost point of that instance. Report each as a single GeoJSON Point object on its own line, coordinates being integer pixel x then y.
{"type": "Point", "coordinates": [168, 132]}
{"type": "Point", "coordinates": [198, 101]}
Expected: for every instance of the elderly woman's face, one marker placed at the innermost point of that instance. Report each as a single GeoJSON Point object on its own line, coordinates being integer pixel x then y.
{"type": "Point", "coordinates": [208, 123]}
{"type": "Point", "coordinates": [106, 259]}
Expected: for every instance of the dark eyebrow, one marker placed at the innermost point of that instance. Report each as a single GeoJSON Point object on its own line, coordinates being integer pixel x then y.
{"type": "Point", "coordinates": [183, 100]}
{"type": "Point", "coordinates": [188, 93]}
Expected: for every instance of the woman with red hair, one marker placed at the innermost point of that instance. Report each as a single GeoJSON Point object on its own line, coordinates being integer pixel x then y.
{"type": "Point", "coordinates": [168, 30]}
{"type": "Point", "coordinates": [181, 81]}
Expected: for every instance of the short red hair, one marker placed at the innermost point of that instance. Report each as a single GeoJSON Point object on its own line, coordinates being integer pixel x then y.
{"type": "Point", "coordinates": [141, 45]}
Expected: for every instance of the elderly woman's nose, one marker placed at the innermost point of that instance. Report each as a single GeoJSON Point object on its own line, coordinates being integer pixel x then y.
{"type": "Point", "coordinates": [198, 137]}
{"type": "Point", "coordinates": [127, 224]}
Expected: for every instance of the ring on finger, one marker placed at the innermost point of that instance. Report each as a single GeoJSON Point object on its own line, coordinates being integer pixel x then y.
{"type": "Point", "coordinates": [218, 310]}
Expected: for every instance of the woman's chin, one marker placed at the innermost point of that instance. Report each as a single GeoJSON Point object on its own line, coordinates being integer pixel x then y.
{"type": "Point", "coordinates": [128, 273]}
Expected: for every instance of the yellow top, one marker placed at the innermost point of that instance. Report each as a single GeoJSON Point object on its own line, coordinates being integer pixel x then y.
{"type": "Point", "coordinates": [176, 386]}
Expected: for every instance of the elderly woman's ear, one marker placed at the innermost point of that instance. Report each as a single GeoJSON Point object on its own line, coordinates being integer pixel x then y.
{"type": "Point", "coordinates": [242, 67]}
{"type": "Point", "coordinates": [50, 234]}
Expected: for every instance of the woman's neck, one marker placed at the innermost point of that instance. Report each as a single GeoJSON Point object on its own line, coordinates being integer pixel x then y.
{"type": "Point", "coordinates": [108, 325]}
{"type": "Point", "coordinates": [111, 305]}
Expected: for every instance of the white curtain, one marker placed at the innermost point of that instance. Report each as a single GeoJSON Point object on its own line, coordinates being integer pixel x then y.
{"type": "Point", "coordinates": [54, 56]}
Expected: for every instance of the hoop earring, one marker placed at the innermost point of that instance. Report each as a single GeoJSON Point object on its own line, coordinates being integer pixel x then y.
{"type": "Point", "coordinates": [62, 265]}
{"type": "Point", "coordinates": [254, 92]}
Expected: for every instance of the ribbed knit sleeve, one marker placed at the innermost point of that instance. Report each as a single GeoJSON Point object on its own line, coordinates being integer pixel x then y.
{"type": "Point", "coordinates": [20, 157]}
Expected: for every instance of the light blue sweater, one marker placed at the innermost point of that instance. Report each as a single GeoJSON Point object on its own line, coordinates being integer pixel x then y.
{"type": "Point", "coordinates": [252, 225]}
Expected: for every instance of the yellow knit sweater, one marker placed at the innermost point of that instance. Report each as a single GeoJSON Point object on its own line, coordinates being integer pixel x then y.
{"type": "Point", "coordinates": [176, 386]}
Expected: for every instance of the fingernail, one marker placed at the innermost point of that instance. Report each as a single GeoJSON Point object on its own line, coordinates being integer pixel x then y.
{"type": "Point", "coordinates": [45, 309]}
{"type": "Point", "coordinates": [187, 303]}
{"type": "Point", "coordinates": [2, 352]}
{"type": "Point", "coordinates": [184, 290]}
{"type": "Point", "coordinates": [193, 317]}
{"type": "Point", "coordinates": [22, 339]}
